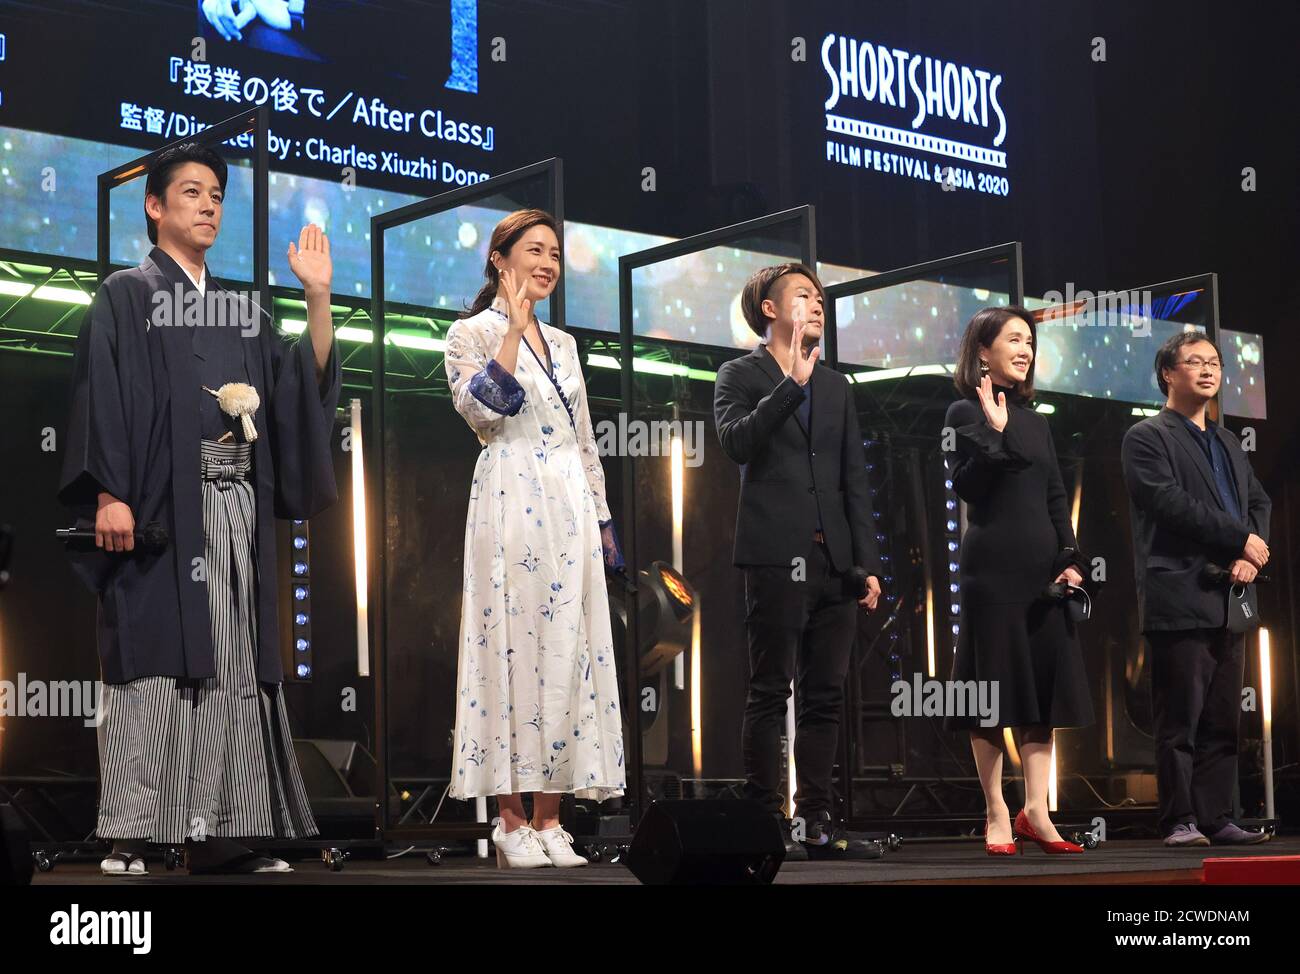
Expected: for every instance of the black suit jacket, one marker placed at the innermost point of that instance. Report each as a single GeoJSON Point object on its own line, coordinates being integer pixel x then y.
{"type": "Point", "coordinates": [1179, 522]}
{"type": "Point", "coordinates": [788, 475]}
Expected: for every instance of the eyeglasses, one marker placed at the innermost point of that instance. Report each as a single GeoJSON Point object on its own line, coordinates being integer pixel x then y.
{"type": "Point", "coordinates": [1199, 363]}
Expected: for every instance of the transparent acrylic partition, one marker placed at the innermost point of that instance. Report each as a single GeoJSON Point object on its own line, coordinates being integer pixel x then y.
{"type": "Point", "coordinates": [680, 320]}
{"type": "Point", "coordinates": [427, 265]}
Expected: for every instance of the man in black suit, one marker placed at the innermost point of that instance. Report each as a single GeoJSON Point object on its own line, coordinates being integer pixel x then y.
{"type": "Point", "coordinates": [1195, 503]}
{"type": "Point", "coordinates": [804, 526]}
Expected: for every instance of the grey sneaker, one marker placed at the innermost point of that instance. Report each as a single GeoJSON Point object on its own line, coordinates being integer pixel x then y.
{"type": "Point", "coordinates": [1232, 834]}
{"type": "Point", "coordinates": [1185, 834]}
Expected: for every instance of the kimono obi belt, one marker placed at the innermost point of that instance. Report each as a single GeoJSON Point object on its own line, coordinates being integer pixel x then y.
{"type": "Point", "coordinates": [226, 462]}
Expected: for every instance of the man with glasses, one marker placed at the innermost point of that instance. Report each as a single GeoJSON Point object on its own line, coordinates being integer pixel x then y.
{"type": "Point", "coordinates": [1200, 537]}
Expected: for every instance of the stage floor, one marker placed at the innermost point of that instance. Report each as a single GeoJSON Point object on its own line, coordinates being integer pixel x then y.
{"type": "Point", "coordinates": [1121, 862]}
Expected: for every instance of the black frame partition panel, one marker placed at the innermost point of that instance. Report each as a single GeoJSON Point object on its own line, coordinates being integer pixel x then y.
{"type": "Point", "coordinates": [1010, 252]}
{"type": "Point", "coordinates": [1209, 283]}
{"type": "Point", "coordinates": [257, 122]}
{"type": "Point", "coordinates": [803, 219]}
{"type": "Point", "coordinates": [551, 171]}
{"type": "Point", "coordinates": [1100, 305]}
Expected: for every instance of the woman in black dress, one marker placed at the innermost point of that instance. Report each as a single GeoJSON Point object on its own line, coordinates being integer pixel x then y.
{"type": "Point", "coordinates": [1018, 540]}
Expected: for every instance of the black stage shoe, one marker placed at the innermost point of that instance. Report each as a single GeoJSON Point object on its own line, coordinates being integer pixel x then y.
{"type": "Point", "coordinates": [826, 843]}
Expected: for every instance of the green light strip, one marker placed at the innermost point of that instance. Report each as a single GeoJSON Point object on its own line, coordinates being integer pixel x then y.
{"type": "Point", "coordinates": [884, 375]}
{"type": "Point", "coordinates": [366, 336]}
{"type": "Point", "coordinates": [59, 295]}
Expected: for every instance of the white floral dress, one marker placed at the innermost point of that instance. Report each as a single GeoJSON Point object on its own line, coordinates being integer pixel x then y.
{"type": "Point", "coordinates": [537, 705]}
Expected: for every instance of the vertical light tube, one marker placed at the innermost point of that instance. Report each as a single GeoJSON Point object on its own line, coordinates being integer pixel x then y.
{"type": "Point", "coordinates": [1074, 526]}
{"type": "Point", "coordinates": [1009, 742]}
{"type": "Point", "coordinates": [697, 724]}
{"type": "Point", "coordinates": [1051, 778]}
{"type": "Point", "coordinates": [929, 625]}
{"type": "Point", "coordinates": [1266, 691]}
{"type": "Point", "coordinates": [1110, 710]}
{"type": "Point", "coordinates": [359, 546]}
{"type": "Point", "coordinates": [1077, 502]}
{"type": "Point", "coordinates": [791, 771]}
{"type": "Point", "coordinates": [677, 463]}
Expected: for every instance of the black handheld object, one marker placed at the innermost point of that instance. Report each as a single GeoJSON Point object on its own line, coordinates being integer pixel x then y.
{"type": "Point", "coordinates": [152, 539]}
{"type": "Point", "coordinates": [1078, 602]}
{"type": "Point", "coordinates": [855, 582]}
{"type": "Point", "coordinates": [1217, 576]}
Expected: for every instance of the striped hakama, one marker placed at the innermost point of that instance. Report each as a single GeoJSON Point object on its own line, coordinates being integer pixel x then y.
{"type": "Point", "coordinates": [194, 758]}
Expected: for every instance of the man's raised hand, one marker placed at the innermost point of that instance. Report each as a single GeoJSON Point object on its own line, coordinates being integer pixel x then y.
{"type": "Point", "coordinates": [310, 260]}
{"type": "Point", "coordinates": [801, 363]}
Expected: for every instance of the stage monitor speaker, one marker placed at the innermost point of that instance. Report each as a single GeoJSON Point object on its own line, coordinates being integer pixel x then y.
{"type": "Point", "coordinates": [341, 778]}
{"type": "Point", "coordinates": [15, 852]}
{"type": "Point", "coordinates": [729, 842]}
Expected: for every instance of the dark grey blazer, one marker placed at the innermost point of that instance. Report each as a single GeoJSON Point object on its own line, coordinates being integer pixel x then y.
{"type": "Point", "coordinates": [1179, 522]}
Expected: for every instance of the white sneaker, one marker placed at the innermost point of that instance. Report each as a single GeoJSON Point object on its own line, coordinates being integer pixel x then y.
{"type": "Point", "coordinates": [274, 866]}
{"type": "Point", "coordinates": [558, 846]}
{"type": "Point", "coordinates": [116, 865]}
{"type": "Point", "coordinates": [518, 849]}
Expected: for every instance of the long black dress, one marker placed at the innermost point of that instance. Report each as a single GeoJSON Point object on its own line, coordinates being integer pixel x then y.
{"type": "Point", "coordinates": [1018, 530]}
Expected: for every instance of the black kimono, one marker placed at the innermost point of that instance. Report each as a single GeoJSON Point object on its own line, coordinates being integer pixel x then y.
{"type": "Point", "coordinates": [1017, 536]}
{"type": "Point", "coordinates": [194, 738]}
{"type": "Point", "coordinates": [134, 430]}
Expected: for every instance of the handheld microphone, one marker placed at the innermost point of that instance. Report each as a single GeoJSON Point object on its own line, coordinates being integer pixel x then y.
{"type": "Point", "coordinates": [152, 538]}
{"type": "Point", "coordinates": [1213, 574]}
{"type": "Point", "coordinates": [855, 582]}
{"type": "Point", "coordinates": [1078, 601]}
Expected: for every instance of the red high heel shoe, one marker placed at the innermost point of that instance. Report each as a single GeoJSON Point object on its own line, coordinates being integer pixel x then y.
{"type": "Point", "coordinates": [1023, 830]}
{"type": "Point", "coordinates": [999, 848]}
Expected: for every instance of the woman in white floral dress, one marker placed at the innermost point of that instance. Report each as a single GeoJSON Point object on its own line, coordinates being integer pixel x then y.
{"type": "Point", "coordinates": [537, 702]}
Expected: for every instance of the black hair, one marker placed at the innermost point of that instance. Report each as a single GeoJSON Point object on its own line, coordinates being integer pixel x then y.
{"type": "Point", "coordinates": [1167, 357]}
{"type": "Point", "coordinates": [504, 237]}
{"type": "Point", "coordinates": [759, 287]}
{"type": "Point", "coordinates": [164, 167]}
{"type": "Point", "coordinates": [983, 330]}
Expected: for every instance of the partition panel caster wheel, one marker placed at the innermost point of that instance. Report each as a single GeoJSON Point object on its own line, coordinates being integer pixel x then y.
{"type": "Point", "coordinates": [43, 861]}
{"type": "Point", "coordinates": [171, 859]}
{"type": "Point", "coordinates": [334, 859]}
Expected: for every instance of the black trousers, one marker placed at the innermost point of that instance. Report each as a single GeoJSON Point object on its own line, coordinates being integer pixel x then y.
{"type": "Point", "coordinates": [1196, 677]}
{"type": "Point", "coordinates": [801, 629]}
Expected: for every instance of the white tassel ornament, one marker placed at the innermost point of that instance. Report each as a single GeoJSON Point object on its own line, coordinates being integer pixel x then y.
{"type": "Point", "coordinates": [241, 400]}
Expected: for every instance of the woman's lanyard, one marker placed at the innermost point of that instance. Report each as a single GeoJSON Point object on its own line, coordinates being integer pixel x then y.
{"type": "Point", "coordinates": [548, 368]}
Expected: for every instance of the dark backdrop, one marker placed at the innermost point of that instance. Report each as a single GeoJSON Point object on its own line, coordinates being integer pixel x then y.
{"type": "Point", "coordinates": [1125, 173]}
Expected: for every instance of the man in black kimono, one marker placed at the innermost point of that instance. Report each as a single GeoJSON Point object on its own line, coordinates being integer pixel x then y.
{"type": "Point", "coordinates": [164, 428]}
{"type": "Point", "coordinates": [803, 529]}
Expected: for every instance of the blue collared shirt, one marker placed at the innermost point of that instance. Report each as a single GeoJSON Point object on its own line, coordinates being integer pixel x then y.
{"type": "Point", "coordinates": [1209, 440]}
